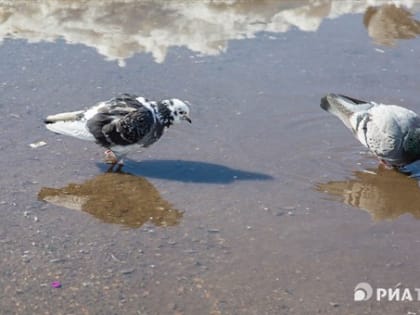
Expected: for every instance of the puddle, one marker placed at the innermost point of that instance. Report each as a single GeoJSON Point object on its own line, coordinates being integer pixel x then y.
{"type": "Point", "coordinates": [259, 192]}
{"type": "Point", "coordinates": [120, 29]}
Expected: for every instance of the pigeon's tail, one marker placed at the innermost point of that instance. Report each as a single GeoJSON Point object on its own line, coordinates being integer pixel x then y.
{"type": "Point", "coordinates": [343, 106]}
{"type": "Point", "coordinates": [69, 116]}
{"type": "Point", "coordinates": [70, 124]}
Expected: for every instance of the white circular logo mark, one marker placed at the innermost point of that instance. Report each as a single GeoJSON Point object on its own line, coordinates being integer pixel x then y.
{"type": "Point", "coordinates": [362, 292]}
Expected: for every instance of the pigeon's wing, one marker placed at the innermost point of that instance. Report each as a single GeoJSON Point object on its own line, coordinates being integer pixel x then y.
{"type": "Point", "coordinates": [121, 127]}
{"type": "Point", "coordinates": [387, 130]}
{"type": "Point", "coordinates": [88, 124]}
{"type": "Point", "coordinates": [118, 106]}
{"type": "Point", "coordinates": [75, 124]}
{"type": "Point", "coordinates": [126, 102]}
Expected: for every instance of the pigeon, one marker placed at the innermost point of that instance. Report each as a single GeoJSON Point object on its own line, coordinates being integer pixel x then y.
{"type": "Point", "coordinates": [390, 132]}
{"type": "Point", "coordinates": [121, 124]}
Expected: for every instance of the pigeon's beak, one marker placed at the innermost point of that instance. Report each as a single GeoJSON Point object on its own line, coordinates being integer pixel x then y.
{"type": "Point", "coordinates": [188, 119]}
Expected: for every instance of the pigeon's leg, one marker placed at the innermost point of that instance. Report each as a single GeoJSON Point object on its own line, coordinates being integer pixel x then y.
{"type": "Point", "coordinates": [110, 168]}
{"type": "Point", "coordinates": [110, 158]}
{"type": "Point", "coordinates": [385, 164]}
{"type": "Point", "coordinates": [120, 165]}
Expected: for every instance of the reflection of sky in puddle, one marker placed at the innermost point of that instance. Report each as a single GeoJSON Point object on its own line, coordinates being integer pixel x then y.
{"type": "Point", "coordinates": [115, 198]}
{"type": "Point", "coordinates": [120, 29]}
{"type": "Point", "coordinates": [385, 194]}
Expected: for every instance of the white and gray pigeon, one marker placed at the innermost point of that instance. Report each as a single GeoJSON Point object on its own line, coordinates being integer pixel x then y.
{"type": "Point", "coordinates": [390, 132]}
{"type": "Point", "coordinates": [121, 124]}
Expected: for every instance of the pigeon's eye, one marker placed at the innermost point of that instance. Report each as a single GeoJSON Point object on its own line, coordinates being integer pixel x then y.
{"type": "Point", "coordinates": [182, 112]}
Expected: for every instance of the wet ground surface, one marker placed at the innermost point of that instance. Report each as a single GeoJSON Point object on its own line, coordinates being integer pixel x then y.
{"type": "Point", "coordinates": [255, 208]}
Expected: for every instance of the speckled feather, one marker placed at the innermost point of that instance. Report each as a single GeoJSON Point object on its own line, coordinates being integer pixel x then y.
{"type": "Point", "coordinates": [120, 124]}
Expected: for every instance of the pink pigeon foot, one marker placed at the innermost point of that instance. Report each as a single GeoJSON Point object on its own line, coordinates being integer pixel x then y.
{"type": "Point", "coordinates": [110, 157]}
{"type": "Point", "coordinates": [385, 164]}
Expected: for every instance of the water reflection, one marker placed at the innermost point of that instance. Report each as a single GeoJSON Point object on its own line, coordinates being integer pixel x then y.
{"type": "Point", "coordinates": [387, 23]}
{"type": "Point", "coordinates": [118, 29]}
{"type": "Point", "coordinates": [115, 198]}
{"type": "Point", "coordinates": [385, 194]}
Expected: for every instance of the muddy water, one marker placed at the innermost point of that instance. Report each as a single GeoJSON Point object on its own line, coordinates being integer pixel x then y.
{"type": "Point", "coordinates": [255, 208]}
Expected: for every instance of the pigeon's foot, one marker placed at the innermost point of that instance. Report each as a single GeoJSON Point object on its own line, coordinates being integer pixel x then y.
{"type": "Point", "coordinates": [110, 157]}
{"type": "Point", "coordinates": [120, 165]}
{"type": "Point", "coordinates": [117, 169]}
{"type": "Point", "coordinates": [385, 164]}
{"type": "Point", "coordinates": [110, 168]}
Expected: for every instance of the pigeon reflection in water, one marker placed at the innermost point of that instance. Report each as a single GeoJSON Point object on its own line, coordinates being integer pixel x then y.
{"type": "Point", "coordinates": [385, 194]}
{"type": "Point", "coordinates": [388, 23]}
{"type": "Point", "coordinates": [118, 198]}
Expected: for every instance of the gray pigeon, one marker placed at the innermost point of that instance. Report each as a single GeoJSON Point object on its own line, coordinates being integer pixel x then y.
{"type": "Point", "coordinates": [121, 124]}
{"type": "Point", "coordinates": [390, 132]}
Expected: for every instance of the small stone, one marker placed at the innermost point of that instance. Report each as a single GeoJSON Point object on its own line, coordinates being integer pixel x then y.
{"type": "Point", "coordinates": [333, 304]}
{"type": "Point", "coordinates": [37, 144]}
{"type": "Point", "coordinates": [56, 284]}
{"type": "Point", "coordinates": [290, 208]}
{"type": "Point", "coordinates": [26, 259]}
{"type": "Point", "coordinates": [127, 271]}
{"type": "Point", "coordinates": [213, 230]}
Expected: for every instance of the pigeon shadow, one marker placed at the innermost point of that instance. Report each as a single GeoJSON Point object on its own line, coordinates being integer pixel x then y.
{"type": "Point", "coordinates": [189, 171]}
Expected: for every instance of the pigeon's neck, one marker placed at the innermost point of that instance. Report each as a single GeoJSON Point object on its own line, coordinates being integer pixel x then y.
{"type": "Point", "coordinates": [164, 115]}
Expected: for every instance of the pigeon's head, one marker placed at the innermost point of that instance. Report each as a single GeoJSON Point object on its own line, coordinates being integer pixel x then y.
{"type": "Point", "coordinates": [179, 110]}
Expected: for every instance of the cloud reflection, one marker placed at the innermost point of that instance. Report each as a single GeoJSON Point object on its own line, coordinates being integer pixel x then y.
{"type": "Point", "coordinates": [115, 198]}
{"type": "Point", "coordinates": [121, 28]}
{"type": "Point", "coordinates": [385, 194]}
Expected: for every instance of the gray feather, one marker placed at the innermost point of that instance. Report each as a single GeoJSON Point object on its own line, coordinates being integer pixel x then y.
{"type": "Point", "coordinates": [390, 132]}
